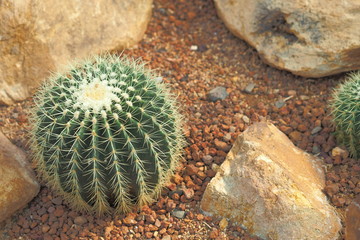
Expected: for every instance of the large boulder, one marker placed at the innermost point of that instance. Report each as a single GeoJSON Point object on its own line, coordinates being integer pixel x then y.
{"type": "Point", "coordinates": [18, 185]}
{"type": "Point", "coordinates": [310, 38]}
{"type": "Point", "coordinates": [37, 37]}
{"type": "Point", "coordinates": [272, 188]}
{"type": "Point", "coordinates": [352, 220]}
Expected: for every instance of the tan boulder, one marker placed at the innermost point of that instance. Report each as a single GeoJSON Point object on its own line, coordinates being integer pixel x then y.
{"type": "Point", "coordinates": [18, 185]}
{"type": "Point", "coordinates": [352, 220]}
{"type": "Point", "coordinates": [272, 188]}
{"type": "Point", "coordinates": [41, 36]}
{"type": "Point", "coordinates": [310, 38]}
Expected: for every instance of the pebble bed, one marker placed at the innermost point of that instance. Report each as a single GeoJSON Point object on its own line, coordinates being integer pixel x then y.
{"type": "Point", "coordinates": [198, 57]}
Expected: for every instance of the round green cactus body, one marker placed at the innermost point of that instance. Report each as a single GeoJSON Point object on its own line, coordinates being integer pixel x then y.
{"type": "Point", "coordinates": [346, 114]}
{"type": "Point", "coordinates": [106, 135]}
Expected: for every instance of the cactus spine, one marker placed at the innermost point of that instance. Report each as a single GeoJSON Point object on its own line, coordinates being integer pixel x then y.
{"type": "Point", "coordinates": [106, 135]}
{"type": "Point", "coordinates": [346, 114]}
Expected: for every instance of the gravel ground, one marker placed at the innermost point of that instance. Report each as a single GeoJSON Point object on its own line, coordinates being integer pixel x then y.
{"type": "Point", "coordinates": [192, 50]}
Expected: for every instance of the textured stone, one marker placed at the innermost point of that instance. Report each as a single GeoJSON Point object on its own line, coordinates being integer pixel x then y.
{"type": "Point", "coordinates": [352, 220]}
{"type": "Point", "coordinates": [37, 37]}
{"type": "Point", "coordinates": [218, 93]}
{"type": "Point", "coordinates": [18, 185]}
{"type": "Point", "coordinates": [311, 38]}
{"type": "Point", "coordinates": [272, 188]}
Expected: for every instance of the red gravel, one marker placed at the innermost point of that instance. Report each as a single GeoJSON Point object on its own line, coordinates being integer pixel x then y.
{"type": "Point", "coordinates": [211, 129]}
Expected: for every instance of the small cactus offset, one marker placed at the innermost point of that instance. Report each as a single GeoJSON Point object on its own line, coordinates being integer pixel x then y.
{"type": "Point", "coordinates": [106, 135]}
{"type": "Point", "coordinates": [346, 114]}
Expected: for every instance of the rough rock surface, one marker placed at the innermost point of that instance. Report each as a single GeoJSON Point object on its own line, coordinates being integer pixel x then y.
{"type": "Point", "coordinates": [352, 220]}
{"type": "Point", "coordinates": [41, 36]}
{"type": "Point", "coordinates": [272, 188]}
{"type": "Point", "coordinates": [18, 185]}
{"type": "Point", "coordinates": [311, 38]}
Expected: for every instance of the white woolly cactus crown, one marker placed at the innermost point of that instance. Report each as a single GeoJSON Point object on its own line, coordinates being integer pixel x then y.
{"type": "Point", "coordinates": [106, 135]}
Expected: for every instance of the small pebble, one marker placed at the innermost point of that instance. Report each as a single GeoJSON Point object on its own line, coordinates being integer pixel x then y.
{"type": "Point", "coordinates": [315, 149]}
{"type": "Point", "coordinates": [215, 167]}
{"type": "Point", "coordinates": [223, 146]}
{"type": "Point", "coordinates": [279, 103]}
{"type": "Point", "coordinates": [249, 87]}
{"type": "Point", "coordinates": [207, 159]}
{"type": "Point", "coordinates": [178, 213]}
{"type": "Point", "coordinates": [339, 152]}
{"type": "Point", "coordinates": [227, 137]}
{"type": "Point", "coordinates": [218, 93]}
{"type": "Point", "coordinates": [80, 220]}
{"type": "Point", "coordinates": [303, 97]}
{"type": "Point", "coordinates": [316, 130]}
{"type": "Point", "coordinates": [45, 228]}
{"type": "Point", "coordinates": [291, 92]}
{"type": "Point", "coordinates": [189, 193]}
{"type": "Point", "coordinates": [223, 223]}
{"type": "Point", "coordinates": [194, 48]}
{"type": "Point", "coordinates": [158, 79]}
{"type": "Point", "coordinates": [246, 119]}
{"type": "Point", "coordinates": [57, 200]}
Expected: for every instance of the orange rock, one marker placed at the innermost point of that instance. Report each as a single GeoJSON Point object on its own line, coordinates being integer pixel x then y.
{"type": "Point", "coordinates": [272, 188]}
{"type": "Point", "coordinates": [18, 185]}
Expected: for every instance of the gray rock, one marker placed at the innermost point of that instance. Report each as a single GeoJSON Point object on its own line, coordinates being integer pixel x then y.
{"type": "Point", "coordinates": [249, 87]}
{"type": "Point", "coordinates": [218, 93]}
{"type": "Point", "coordinates": [178, 213]}
{"type": "Point", "coordinates": [279, 104]}
{"type": "Point", "coordinates": [158, 79]}
{"type": "Point", "coordinates": [315, 149]}
{"type": "Point", "coordinates": [316, 130]}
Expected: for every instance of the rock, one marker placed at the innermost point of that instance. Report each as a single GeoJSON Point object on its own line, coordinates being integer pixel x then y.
{"type": "Point", "coordinates": [191, 169]}
{"type": "Point", "coordinates": [316, 130]}
{"type": "Point", "coordinates": [218, 93]}
{"type": "Point", "coordinates": [223, 146]}
{"type": "Point", "coordinates": [189, 193]}
{"type": "Point", "coordinates": [246, 119]}
{"type": "Point", "coordinates": [178, 213]}
{"type": "Point", "coordinates": [310, 38]}
{"type": "Point", "coordinates": [18, 185]}
{"type": "Point", "coordinates": [295, 136]}
{"type": "Point", "coordinates": [272, 188]}
{"type": "Point", "coordinates": [352, 220]}
{"type": "Point", "coordinates": [37, 37]}
{"type": "Point", "coordinates": [332, 189]}
{"type": "Point", "coordinates": [315, 149]}
{"type": "Point", "coordinates": [59, 211]}
{"type": "Point", "coordinates": [129, 220]}
{"type": "Point", "coordinates": [223, 224]}
{"type": "Point", "coordinates": [339, 152]}
{"type": "Point", "coordinates": [279, 103]}
{"type": "Point", "coordinates": [207, 159]}
{"type": "Point", "coordinates": [249, 87]}
{"type": "Point", "coordinates": [194, 48]}
{"type": "Point", "coordinates": [80, 220]}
